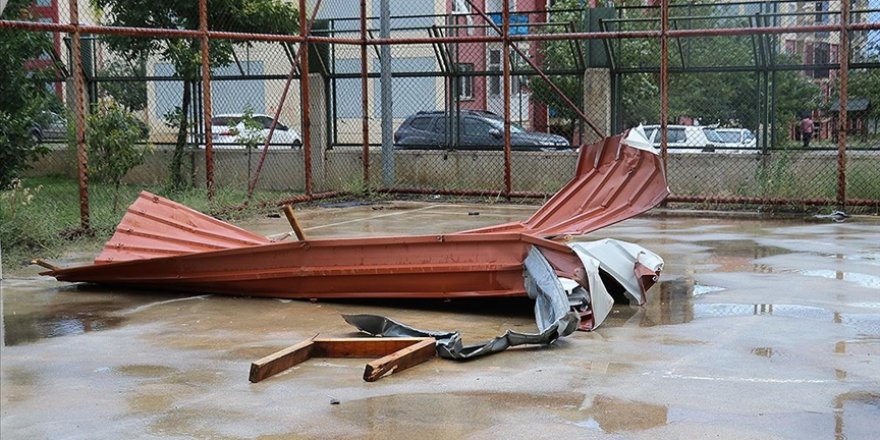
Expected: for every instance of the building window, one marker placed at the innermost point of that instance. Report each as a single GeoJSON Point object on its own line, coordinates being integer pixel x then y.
{"type": "Point", "coordinates": [821, 56]}
{"type": "Point", "coordinates": [498, 5]}
{"type": "Point", "coordinates": [822, 12]}
{"type": "Point", "coordinates": [494, 65]}
{"type": "Point", "coordinates": [465, 81]}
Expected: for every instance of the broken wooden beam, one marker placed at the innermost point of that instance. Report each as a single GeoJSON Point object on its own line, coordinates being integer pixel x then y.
{"type": "Point", "coordinates": [280, 361]}
{"type": "Point", "coordinates": [397, 354]}
{"type": "Point", "coordinates": [400, 360]}
{"type": "Point", "coordinates": [291, 218]}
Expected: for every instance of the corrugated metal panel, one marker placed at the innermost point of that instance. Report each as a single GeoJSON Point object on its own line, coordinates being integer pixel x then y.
{"type": "Point", "coordinates": [157, 227]}
{"type": "Point", "coordinates": [613, 182]}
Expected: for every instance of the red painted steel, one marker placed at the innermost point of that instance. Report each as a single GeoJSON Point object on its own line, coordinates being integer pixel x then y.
{"type": "Point", "coordinates": [163, 244]}
{"type": "Point", "coordinates": [613, 182]}
{"type": "Point", "coordinates": [156, 227]}
{"type": "Point", "coordinates": [434, 266]}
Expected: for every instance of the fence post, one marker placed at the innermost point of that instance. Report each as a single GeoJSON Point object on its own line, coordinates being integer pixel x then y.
{"type": "Point", "coordinates": [365, 117]}
{"type": "Point", "coordinates": [664, 81]}
{"type": "Point", "coordinates": [842, 125]}
{"type": "Point", "coordinates": [82, 158]}
{"type": "Point", "coordinates": [304, 96]}
{"type": "Point", "coordinates": [505, 31]}
{"type": "Point", "coordinates": [206, 106]}
{"type": "Point", "coordinates": [386, 83]}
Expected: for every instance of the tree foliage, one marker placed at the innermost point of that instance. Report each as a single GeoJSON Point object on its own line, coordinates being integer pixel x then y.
{"type": "Point", "coordinates": [558, 56]}
{"type": "Point", "coordinates": [263, 16]}
{"type": "Point", "coordinates": [727, 98]}
{"type": "Point", "coordinates": [130, 94]}
{"type": "Point", "coordinates": [111, 134]}
{"type": "Point", "coordinates": [23, 94]}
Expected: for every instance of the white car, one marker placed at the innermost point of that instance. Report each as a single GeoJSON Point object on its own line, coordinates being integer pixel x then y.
{"type": "Point", "coordinates": [740, 140]}
{"type": "Point", "coordinates": [684, 138]}
{"type": "Point", "coordinates": [229, 131]}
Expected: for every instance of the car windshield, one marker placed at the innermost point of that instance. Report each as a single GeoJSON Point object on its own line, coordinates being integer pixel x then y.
{"type": "Point", "coordinates": [729, 137]}
{"type": "Point", "coordinates": [711, 135]}
{"type": "Point", "coordinates": [228, 121]}
{"type": "Point", "coordinates": [499, 124]}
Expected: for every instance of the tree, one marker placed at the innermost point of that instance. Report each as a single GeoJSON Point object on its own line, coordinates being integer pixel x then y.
{"type": "Point", "coordinates": [111, 134]}
{"type": "Point", "coordinates": [865, 83]}
{"type": "Point", "coordinates": [130, 94]}
{"type": "Point", "coordinates": [795, 94]}
{"type": "Point", "coordinates": [23, 95]}
{"type": "Point", "coordinates": [559, 56]}
{"type": "Point", "coordinates": [263, 16]}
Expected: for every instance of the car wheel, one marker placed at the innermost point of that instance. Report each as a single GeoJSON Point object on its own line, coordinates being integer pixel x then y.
{"type": "Point", "coordinates": [297, 144]}
{"type": "Point", "coordinates": [36, 137]}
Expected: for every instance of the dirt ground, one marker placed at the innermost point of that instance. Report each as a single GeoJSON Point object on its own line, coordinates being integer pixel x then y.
{"type": "Point", "coordinates": [757, 330]}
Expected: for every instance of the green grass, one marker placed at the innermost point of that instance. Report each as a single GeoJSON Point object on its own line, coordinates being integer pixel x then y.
{"type": "Point", "coordinates": [41, 218]}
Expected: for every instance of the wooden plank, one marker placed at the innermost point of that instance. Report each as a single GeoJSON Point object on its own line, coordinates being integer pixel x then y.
{"type": "Point", "coordinates": [281, 360]}
{"type": "Point", "coordinates": [360, 347]}
{"type": "Point", "coordinates": [401, 360]}
{"type": "Point", "coordinates": [46, 264]}
{"type": "Point", "coordinates": [291, 218]}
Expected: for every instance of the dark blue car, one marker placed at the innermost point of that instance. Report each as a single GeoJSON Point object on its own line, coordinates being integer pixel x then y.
{"type": "Point", "coordinates": [476, 130]}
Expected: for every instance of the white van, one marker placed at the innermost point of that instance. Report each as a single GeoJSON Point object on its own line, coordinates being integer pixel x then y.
{"type": "Point", "coordinates": [685, 138]}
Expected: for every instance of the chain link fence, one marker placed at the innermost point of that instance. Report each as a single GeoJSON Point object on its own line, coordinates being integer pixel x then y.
{"type": "Point", "coordinates": [420, 102]}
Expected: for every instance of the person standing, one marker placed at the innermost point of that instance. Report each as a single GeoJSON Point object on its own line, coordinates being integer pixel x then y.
{"type": "Point", "coordinates": [806, 130]}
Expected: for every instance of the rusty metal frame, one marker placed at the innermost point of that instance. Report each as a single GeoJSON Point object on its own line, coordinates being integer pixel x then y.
{"type": "Point", "coordinates": [82, 157]}
{"type": "Point", "coordinates": [305, 37]}
{"type": "Point", "coordinates": [206, 94]}
{"type": "Point", "coordinates": [843, 54]}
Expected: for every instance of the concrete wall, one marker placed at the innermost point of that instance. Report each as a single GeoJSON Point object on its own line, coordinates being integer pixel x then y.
{"type": "Point", "coordinates": [792, 175]}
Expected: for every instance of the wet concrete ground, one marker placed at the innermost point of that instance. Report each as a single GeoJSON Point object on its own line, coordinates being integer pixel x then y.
{"type": "Point", "coordinates": [757, 330]}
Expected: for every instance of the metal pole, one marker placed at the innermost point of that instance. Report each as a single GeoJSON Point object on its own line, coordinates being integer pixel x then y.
{"type": "Point", "coordinates": [365, 118]}
{"type": "Point", "coordinates": [304, 96]}
{"type": "Point", "coordinates": [664, 79]}
{"type": "Point", "coordinates": [505, 54]}
{"type": "Point", "coordinates": [533, 65]}
{"type": "Point", "coordinates": [843, 55]}
{"type": "Point", "coordinates": [206, 87]}
{"type": "Point", "coordinates": [385, 84]}
{"type": "Point", "coordinates": [82, 158]}
{"type": "Point", "coordinates": [252, 185]}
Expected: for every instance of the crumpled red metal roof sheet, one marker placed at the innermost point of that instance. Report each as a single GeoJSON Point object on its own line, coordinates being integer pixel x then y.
{"type": "Point", "coordinates": [164, 244]}
{"type": "Point", "coordinates": [613, 182]}
{"type": "Point", "coordinates": [156, 227]}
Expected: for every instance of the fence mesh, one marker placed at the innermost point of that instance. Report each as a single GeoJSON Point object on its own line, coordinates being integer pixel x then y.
{"type": "Point", "coordinates": [747, 81]}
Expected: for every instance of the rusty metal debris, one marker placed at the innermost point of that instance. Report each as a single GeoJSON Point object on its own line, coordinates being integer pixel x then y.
{"type": "Point", "coordinates": [162, 244]}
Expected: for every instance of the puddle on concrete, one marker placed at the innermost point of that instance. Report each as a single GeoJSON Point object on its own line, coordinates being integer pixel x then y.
{"type": "Point", "coordinates": [856, 414]}
{"type": "Point", "coordinates": [29, 315]}
{"type": "Point", "coordinates": [58, 320]}
{"type": "Point", "coordinates": [454, 416]}
{"type": "Point", "coordinates": [613, 415]}
{"type": "Point", "coordinates": [146, 370]}
{"type": "Point", "coordinates": [151, 402]}
{"type": "Point", "coordinates": [872, 258]}
{"type": "Point", "coordinates": [742, 248]}
{"type": "Point", "coordinates": [681, 301]}
{"type": "Point", "coordinates": [458, 415]}
{"type": "Point", "coordinates": [738, 255]}
{"type": "Point", "coordinates": [862, 279]}
{"type": "Point", "coordinates": [700, 289]}
{"type": "Point", "coordinates": [769, 352]}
